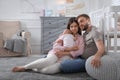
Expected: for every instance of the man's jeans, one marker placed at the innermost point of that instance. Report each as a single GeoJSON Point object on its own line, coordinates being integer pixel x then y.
{"type": "Point", "coordinates": [71, 66]}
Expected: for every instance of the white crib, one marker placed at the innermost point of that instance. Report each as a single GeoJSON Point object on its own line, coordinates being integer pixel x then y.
{"type": "Point", "coordinates": [107, 21]}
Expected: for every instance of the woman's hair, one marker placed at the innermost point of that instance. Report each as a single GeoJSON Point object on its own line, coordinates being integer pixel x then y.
{"type": "Point", "coordinates": [72, 20]}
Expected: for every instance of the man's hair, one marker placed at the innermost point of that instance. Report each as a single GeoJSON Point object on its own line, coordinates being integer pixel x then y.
{"type": "Point", "coordinates": [83, 15]}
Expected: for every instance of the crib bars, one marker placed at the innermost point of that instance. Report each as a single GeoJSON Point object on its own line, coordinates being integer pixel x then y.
{"type": "Point", "coordinates": [106, 19]}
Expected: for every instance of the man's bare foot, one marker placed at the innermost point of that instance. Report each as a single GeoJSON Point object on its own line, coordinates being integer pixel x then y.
{"type": "Point", "coordinates": [18, 69]}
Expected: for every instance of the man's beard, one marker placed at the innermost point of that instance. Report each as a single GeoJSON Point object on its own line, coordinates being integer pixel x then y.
{"type": "Point", "coordinates": [85, 27]}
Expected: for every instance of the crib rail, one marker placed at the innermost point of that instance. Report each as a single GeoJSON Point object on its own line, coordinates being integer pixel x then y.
{"type": "Point", "coordinates": [106, 19]}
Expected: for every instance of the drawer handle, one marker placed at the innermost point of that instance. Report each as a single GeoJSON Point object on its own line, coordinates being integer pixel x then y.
{"type": "Point", "coordinates": [49, 32]}
{"type": "Point", "coordinates": [49, 42]}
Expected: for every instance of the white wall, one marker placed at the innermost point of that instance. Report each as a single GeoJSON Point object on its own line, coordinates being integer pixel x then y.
{"type": "Point", "coordinates": [11, 10]}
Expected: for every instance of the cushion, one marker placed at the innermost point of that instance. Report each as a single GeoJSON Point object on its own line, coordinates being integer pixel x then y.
{"type": "Point", "coordinates": [109, 69]}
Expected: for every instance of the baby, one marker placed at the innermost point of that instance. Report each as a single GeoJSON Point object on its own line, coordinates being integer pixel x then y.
{"type": "Point", "coordinates": [66, 40]}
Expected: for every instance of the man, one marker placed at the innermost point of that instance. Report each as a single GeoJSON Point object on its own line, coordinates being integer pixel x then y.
{"type": "Point", "coordinates": [93, 46]}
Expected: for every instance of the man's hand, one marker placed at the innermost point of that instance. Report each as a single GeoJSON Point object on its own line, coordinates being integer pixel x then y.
{"type": "Point", "coordinates": [96, 61]}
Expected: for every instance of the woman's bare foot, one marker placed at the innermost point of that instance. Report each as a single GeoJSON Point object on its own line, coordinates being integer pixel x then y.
{"type": "Point", "coordinates": [18, 69]}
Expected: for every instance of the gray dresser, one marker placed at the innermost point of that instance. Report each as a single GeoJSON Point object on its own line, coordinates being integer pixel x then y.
{"type": "Point", "coordinates": [51, 28]}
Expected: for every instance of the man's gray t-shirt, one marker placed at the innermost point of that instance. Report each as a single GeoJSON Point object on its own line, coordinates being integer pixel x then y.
{"type": "Point", "coordinates": [89, 40]}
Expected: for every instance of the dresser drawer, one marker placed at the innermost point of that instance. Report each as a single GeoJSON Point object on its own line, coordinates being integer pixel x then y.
{"type": "Point", "coordinates": [51, 28]}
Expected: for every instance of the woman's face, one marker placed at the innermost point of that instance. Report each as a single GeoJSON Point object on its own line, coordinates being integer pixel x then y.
{"type": "Point", "coordinates": [74, 28]}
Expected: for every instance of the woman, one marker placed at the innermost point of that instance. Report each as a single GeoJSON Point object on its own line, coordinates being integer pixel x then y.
{"type": "Point", "coordinates": [51, 63]}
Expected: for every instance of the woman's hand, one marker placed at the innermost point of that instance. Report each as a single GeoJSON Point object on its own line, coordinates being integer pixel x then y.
{"type": "Point", "coordinates": [74, 48]}
{"type": "Point", "coordinates": [59, 54]}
